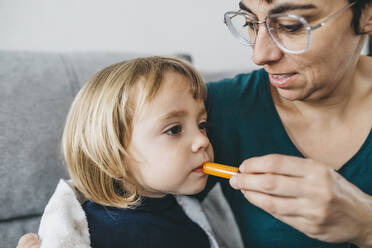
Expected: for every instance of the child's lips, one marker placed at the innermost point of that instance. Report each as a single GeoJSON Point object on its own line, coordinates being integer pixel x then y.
{"type": "Point", "coordinates": [198, 169]}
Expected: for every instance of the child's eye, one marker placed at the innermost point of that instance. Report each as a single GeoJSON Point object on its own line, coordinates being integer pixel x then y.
{"type": "Point", "coordinates": [203, 125]}
{"type": "Point", "coordinates": [174, 130]}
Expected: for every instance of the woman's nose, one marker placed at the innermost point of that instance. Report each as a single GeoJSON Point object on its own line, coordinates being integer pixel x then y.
{"type": "Point", "coordinates": [265, 51]}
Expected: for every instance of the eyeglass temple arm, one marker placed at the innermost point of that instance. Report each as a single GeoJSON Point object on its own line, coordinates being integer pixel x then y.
{"type": "Point", "coordinates": [322, 23]}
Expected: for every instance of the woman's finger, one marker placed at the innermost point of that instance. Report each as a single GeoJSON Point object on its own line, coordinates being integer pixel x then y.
{"type": "Point", "coordinates": [274, 184]}
{"type": "Point", "coordinates": [276, 164]}
{"type": "Point", "coordinates": [279, 207]}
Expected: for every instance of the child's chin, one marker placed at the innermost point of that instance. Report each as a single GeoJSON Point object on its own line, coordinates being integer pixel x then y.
{"type": "Point", "coordinates": [196, 190]}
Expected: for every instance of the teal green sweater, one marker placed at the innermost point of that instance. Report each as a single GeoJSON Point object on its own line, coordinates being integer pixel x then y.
{"type": "Point", "coordinates": [244, 123]}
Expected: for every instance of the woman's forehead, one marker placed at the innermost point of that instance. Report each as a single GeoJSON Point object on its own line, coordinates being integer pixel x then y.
{"type": "Point", "coordinates": [266, 3]}
{"type": "Point", "coordinates": [275, 2]}
{"type": "Point", "coordinates": [280, 6]}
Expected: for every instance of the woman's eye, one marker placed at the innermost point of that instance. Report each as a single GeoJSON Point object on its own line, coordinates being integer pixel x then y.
{"type": "Point", "coordinates": [174, 130]}
{"type": "Point", "coordinates": [250, 25]}
{"type": "Point", "coordinates": [292, 28]}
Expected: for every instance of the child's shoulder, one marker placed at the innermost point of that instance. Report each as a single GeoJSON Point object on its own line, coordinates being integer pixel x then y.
{"type": "Point", "coordinates": [157, 222]}
{"type": "Point", "coordinates": [108, 216]}
{"type": "Point", "coordinates": [63, 223]}
{"type": "Point", "coordinates": [124, 223]}
{"type": "Point", "coordinates": [111, 226]}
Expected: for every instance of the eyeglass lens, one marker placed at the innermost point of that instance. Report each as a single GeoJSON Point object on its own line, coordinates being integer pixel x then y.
{"type": "Point", "coordinates": [290, 32]}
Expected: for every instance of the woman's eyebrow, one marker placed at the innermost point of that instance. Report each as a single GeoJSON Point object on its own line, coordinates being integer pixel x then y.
{"type": "Point", "coordinates": [288, 6]}
{"type": "Point", "coordinates": [243, 7]}
{"type": "Point", "coordinates": [281, 8]}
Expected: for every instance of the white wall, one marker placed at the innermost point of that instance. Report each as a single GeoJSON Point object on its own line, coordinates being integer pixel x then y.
{"type": "Point", "coordinates": [146, 26]}
{"type": "Point", "coordinates": [162, 26]}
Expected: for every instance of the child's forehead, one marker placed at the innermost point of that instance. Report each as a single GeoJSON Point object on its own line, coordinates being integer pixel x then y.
{"type": "Point", "coordinates": [170, 83]}
{"type": "Point", "coordinates": [175, 83]}
{"type": "Point", "coordinates": [171, 92]}
{"type": "Point", "coordinates": [164, 107]}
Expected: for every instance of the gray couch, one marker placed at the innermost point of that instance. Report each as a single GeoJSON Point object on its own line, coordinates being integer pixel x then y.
{"type": "Point", "coordinates": [36, 90]}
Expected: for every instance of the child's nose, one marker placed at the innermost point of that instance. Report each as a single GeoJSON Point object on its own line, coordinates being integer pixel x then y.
{"type": "Point", "coordinates": [200, 142]}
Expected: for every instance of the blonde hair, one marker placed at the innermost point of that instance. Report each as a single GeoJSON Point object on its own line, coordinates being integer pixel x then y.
{"type": "Point", "coordinates": [99, 126]}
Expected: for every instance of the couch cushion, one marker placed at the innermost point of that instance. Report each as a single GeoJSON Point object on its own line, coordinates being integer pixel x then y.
{"type": "Point", "coordinates": [35, 96]}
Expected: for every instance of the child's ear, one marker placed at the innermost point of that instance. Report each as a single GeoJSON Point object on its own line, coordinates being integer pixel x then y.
{"type": "Point", "coordinates": [366, 20]}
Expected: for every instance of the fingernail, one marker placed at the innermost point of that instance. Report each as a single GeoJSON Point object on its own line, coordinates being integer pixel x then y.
{"type": "Point", "coordinates": [233, 181]}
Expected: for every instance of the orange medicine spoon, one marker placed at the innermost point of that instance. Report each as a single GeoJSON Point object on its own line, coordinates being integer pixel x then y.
{"type": "Point", "coordinates": [219, 170]}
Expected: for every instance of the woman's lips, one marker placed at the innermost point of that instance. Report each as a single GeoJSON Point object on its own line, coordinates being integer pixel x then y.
{"type": "Point", "coordinates": [281, 80]}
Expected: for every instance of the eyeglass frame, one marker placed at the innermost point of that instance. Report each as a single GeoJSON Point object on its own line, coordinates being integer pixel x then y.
{"type": "Point", "coordinates": [234, 32]}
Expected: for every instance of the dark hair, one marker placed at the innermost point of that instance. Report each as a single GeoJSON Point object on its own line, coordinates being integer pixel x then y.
{"type": "Point", "coordinates": [357, 9]}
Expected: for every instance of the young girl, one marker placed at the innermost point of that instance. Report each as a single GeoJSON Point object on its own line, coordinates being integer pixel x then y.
{"type": "Point", "coordinates": [135, 136]}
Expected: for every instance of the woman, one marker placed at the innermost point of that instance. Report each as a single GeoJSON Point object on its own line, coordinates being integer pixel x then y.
{"type": "Point", "coordinates": [301, 128]}
{"type": "Point", "coordinates": [304, 123]}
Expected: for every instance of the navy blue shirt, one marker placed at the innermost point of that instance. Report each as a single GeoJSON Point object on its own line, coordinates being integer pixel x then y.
{"type": "Point", "coordinates": [244, 123]}
{"type": "Point", "coordinates": [158, 222]}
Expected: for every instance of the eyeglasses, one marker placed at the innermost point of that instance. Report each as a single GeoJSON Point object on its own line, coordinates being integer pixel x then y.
{"type": "Point", "coordinates": [291, 33]}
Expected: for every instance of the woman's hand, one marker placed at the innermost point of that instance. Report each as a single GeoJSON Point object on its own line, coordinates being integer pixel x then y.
{"type": "Point", "coordinates": [309, 196]}
{"type": "Point", "coordinates": [29, 240]}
